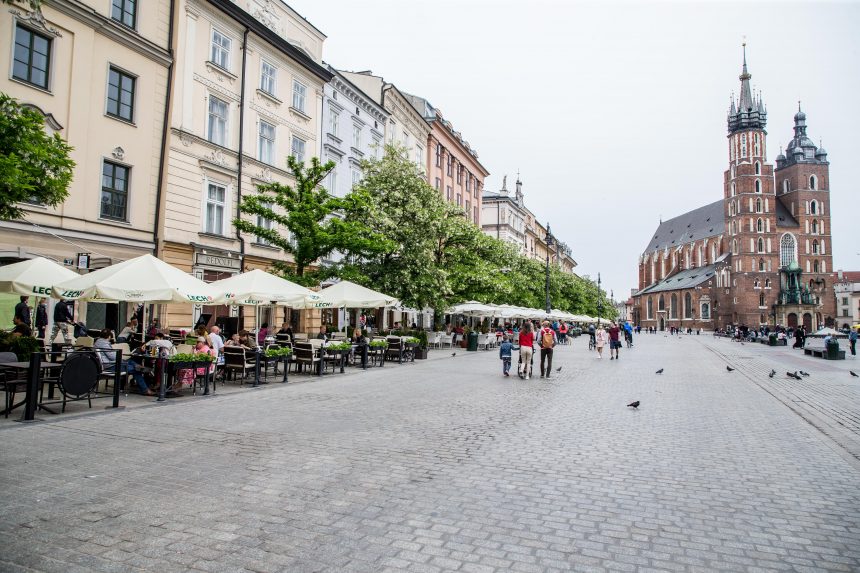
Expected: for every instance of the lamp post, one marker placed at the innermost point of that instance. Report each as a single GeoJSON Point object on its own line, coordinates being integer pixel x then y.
{"type": "Point", "coordinates": [549, 244]}
{"type": "Point", "coordinates": [599, 301]}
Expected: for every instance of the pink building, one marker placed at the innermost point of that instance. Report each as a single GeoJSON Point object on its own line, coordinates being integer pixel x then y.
{"type": "Point", "coordinates": [452, 165]}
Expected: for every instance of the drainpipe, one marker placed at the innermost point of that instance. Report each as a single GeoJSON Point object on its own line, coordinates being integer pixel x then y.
{"type": "Point", "coordinates": [162, 159]}
{"type": "Point", "coordinates": [241, 150]}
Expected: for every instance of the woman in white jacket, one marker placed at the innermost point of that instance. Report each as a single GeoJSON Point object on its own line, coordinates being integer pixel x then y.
{"type": "Point", "coordinates": [601, 337]}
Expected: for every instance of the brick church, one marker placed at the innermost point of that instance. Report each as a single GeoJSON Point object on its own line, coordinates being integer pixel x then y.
{"type": "Point", "coordinates": [758, 256]}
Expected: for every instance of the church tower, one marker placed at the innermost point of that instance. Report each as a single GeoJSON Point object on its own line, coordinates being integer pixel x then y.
{"type": "Point", "coordinates": [750, 209]}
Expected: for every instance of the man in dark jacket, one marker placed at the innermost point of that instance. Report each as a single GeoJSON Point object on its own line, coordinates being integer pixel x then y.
{"type": "Point", "coordinates": [62, 321]}
{"type": "Point", "coordinates": [22, 311]}
{"type": "Point", "coordinates": [42, 317]}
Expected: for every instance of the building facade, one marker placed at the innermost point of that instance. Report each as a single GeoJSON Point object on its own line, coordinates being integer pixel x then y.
{"type": "Point", "coordinates": [761, 254]}
{"type": "Point", "coordinates": [97, 70]}
{"type": "Point", "coordinates": [452, 165]}
{"type": "Point", "coordinates": [846, 288]}
{"type": "Point", "coordinates": [353, 129]}
{"type": "Point", "coordinates": [248, 92]}
{"type": "Point", "coordinates": [405, 126]}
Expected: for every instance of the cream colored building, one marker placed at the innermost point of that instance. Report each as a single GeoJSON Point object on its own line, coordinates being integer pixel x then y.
{"type": "Point", "coordinates": [406, 126]}
{"type": "Point", "coordinates": [248, 92]}
{"type": "Point", "coordinates": [97, 70]}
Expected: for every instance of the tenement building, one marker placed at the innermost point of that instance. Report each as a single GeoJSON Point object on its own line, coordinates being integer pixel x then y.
{"type": "Point", "coordinates": [758, 256]}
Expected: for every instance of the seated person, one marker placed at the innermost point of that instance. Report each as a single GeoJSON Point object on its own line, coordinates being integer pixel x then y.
{"type": "Point", "coordinates": [322, 334]}
{"type": "Point", "coordinates": [246, 339]}
{"type": "Point", "coordinates": [21, 328]}
{"type": "Point", "coordinates": [185, 376]}
{"type": "Point", "coordinates": [201, 331]}
{"type": "Point", "coordinates": [234, 341]}
{"type": "Point", "coordinates": [262, 334]}
{"type": "Point", "coordinates": [129, 329]}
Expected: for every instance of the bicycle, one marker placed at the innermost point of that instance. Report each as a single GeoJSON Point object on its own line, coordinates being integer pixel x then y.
{"type": "Point", "coordinates": [592, 342]}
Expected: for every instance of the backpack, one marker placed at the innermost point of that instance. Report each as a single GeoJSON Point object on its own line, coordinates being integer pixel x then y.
{"type": "Point", "coordinates": [546, 338]}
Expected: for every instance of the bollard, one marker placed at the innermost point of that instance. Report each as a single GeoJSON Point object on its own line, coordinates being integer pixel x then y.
{"type": "Point", "coordinates": [161, 363]}
{"type": "Point", "coordinates": [33, 381]}
{"type": "Point", "coordinates": [364, 355]}
{"type": "Point", "coordinates": [117, 376]}
{"type": "Point", "coordinates": [257, 368]}
{"type": "Point", "coordinates": [286, 367]}
{"type": "Point", "coordinates": [206, 378]}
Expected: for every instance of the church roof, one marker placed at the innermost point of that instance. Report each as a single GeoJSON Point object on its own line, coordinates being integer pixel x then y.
{"type": "Point", "coordinates": [707, 221]}
{"type": "Point", "coordinates": [784, 218]}
{"type": "Point", "coordinates": [685, 279]}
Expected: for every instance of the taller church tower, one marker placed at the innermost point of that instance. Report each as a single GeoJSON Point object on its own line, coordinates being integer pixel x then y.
{"type": "Point", "coordinates": [750, 209]}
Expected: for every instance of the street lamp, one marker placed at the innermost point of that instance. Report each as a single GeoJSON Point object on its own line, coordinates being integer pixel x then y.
{"type": "Point", "coordinates": [549, 244]}
{"type": "Point", "coordinates": [599, 301]}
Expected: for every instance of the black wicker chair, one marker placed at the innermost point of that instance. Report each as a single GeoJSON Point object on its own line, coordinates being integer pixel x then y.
{"type": "Point", "coordinates": [79, 377]}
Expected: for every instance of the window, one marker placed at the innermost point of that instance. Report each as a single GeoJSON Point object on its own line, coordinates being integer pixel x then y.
{"type": "Point", "coordinates": [813, 207]}
{"type": "Point", "coordinates": [448, 192]}
{"type": "Point", "coordinates": [757, 166]}
{"type": "Point", "coordinates": [450, 166]}
{"type": "Point", "coordinates": [114, 199]}
{"type": "Point", "coordinates": [814, 227]}
{"type": "Point", "coordinates": [299, 93]}
{"type": "Point", "coordinates": [268, 78]}
{"type": "Point", "coordinates": [297, 149]}
{"type": "Point", "coordinates": [32, 57]}
{"type": "Point", "coordinates": [438, 184]}
{"type": "Point", "coordinates": [650, 307]}
{"type": "Point", "coordinates": [265, 224]}
{"type": "Point", "coordinates": [405, 139]}
{"type": "Point", "coordinates": [124, 12]}
{"type": "Point", "coordinates": [661, 303]}
{"type": "Point", "coordinates": [220, 55]}
{"type": "Point", "coordinates": [734, 246]}
{"type": "Point", "coordinates": [459, 199]}
{"type": "Point", "coordinates": [332, 181]}
{"type": "Point", "coordinates": [706, 311]}
{"type": "Point", "coordinates": [120, 96]}
{"type": "Point", "coordinates": [267, 143]}
{"type": "Point", "coordinates": [356, 176]}
{"type": "Point", "coordinates": [419, 156]}
{"type": "Point", "coordinates": [333, 123]}
{"type": "Point", "coordinates": [377, 146]}
{"type": "Point", "coordinates": [217, 121]}
{"type": "Point", "coordinates": [757, 186]}
{"type": "Point", "coordinates": [759, 226]}
{"type": "Point", "coordinates": [743, 145]}
{"type": "Point", "coordinates": [785, 186]}
{"type": "Point", "coordinates": [787, 250]}
{"type": "Point", "coordinates": [475, 214]}
{"type": "Point", "coordinates": [815, 247]}
{"type": "Point", "coordinates": [761, 266]}
{"type": "Point", "coordinates": [356, 136]}
{"type": "Point", "coordinates": [392, 131]}
{"type": "Point", "coordinates": [469, 183]}
{"type": "Point", "coordinates": [688, 306]}
{"type": "Point", "coordinates": [815, 266]}
{"type": "Point", "coordinates": [761, 299]}
{"type": "Point", "coordinates": [438, 155]}
{"type": "Point", "coordinates": [732, 192]}
{"type": "Point", "coordinates": [760, 245]}
{"type": "Point", "coordinates": [813, 182]}
{"type": "Point", "coordinates": [673, 306]}
{"type": "Point", "coordinates": [756, 148]}
{"type": "Point", "coordinates": [758, 204]}
{"type": "Point", "coordinates": [216, 196]}
{"type": "Point", "coordinates": [459, 175]}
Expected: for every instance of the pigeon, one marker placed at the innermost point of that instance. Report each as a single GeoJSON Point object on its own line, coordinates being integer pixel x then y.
{"type": "Point", "coordinates": [558, 369]}
{"type": "Point", "coordinates": [772, 374]}
{"type": "Point", "coordinates": [792, 375]}
{"type": "Point", "coordinates": [633, 405]}
{"type": "Point", "coordinates": [854, 374]}
{"type": "Point", "coordinates": [661, 371]}
{"type": "Point", "coordinates": [453, 354]}
{"type": "Point", "coordinates": [802, 373]}
{"type": "Point", "coordinates": [730, 369]}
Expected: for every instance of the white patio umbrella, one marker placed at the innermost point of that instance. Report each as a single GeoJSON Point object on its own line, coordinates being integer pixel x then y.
{"type": "Point", "coordinates": [257, 287]}
{"type": "Point", "coordinates": [346, 294]}
{"type": "Point", "coordinates": [142, 279]}
{"type": "Point", "coordinates": [473, 308]}
{"type": "Point", "coordinates": [33, 276]}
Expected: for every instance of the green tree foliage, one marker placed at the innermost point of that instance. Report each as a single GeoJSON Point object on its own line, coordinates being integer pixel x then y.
{"type": "Point", "coordinates": [312, 216]}
{"type": "Point", "coordinates": [34, 166]}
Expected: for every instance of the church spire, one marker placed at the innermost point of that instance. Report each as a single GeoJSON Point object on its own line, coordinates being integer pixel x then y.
{"type": "Point", "coordinates": [750, 112]}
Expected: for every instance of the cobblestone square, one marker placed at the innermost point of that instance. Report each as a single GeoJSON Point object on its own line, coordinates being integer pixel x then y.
{"type": "Point", "coordinates": [444, 465]}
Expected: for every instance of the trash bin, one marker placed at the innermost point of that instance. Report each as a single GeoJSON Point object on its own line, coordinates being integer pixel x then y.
{"type": "Point", "coordinates": [832, 349]}
{"type": "Point", "coordinates": [472, 342]}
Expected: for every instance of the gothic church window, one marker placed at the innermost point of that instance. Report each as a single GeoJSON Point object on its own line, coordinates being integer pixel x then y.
{"type": "Point", "coordinates": [758, 201]}
{"type": "Point", "coordinates": [757, 168]}
{"type": "Point", "coordinates": [761, 266]}
{"type": "Point", "coordinates": [813, 182]}
{"type": "Point", "coordinates": [661, 303]}
{"type": "Point", "coordinates": [757, 186]}
{"type": "Point", "coordinates": [814, 227]}
{"type": "Point", "coordinates": [743, 145]}
{"type": "Point", "coordinates": [761, 299]}
{"type": "Point", "coordinates": [756, 146]}
{"type": "Point", "coordinates": [785, 186]}
{"type": "Point", "coordinates": [673, 308]}
{"type": "Point", "coordinates": [813, 207]}
{"type": "Point", "coordinates": [787, 250]}
{"type": "Point", "coordinates": [759, 226]}
{"type": "Point", "coordinates": [688, 306]}
{"type": "Point", "coordinates": [814, 247]}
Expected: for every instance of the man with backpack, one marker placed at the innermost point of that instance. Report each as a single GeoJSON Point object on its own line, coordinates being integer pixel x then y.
{"type": "Point", "coordinates": [547, 341]}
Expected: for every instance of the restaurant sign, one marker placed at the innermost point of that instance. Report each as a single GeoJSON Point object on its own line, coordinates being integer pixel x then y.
{"type": "Point", "coordinates": [216, 261]}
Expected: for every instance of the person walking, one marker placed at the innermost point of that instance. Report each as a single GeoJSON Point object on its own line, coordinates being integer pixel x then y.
{"type": "Point", "coordinates": [42, 317]}
{"type": "Point", "coordinates": [614, 340]}
{"type": "Point", "coordinates": [22, 311]}
{"type": "Point", "coordinates": [527, 340]}
{"type": "Point", "coordinates": [62, 321]}
{"type": "Point", "coordinates": [505, 349]}
{"type": "Point", "coordinates": [600, 338]}
{"type": "Point", "coordinates": [547, 340]}
{"type": "Point", "coordinates": [852, 341]}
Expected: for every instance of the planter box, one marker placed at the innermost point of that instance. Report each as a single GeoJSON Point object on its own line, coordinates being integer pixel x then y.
{"type": "Point", "coordinates": [421, 354]}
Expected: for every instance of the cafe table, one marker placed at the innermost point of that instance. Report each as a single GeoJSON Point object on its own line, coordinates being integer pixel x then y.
{"type": "Point", "coordinates": [23, 367]}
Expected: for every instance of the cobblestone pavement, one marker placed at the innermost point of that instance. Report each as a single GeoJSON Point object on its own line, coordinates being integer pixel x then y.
{"type": "Point", "coordinates": [446, 466]}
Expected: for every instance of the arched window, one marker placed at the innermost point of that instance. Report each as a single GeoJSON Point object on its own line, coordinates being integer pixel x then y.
{"type": "Point", "coordinates": [761, 267]}
{"type": "Point", "coordinates": [650, 307]}
{"type": "Point", "coordinates": [757, 186]}
{"type": "Point", "coordinates": [759, 225]}
{"type": "Point", "coordinates": [766, 283]}
{"type": "Point", "coordinates": [787, 250]}
{"type": "Point", "coordinates": [815, 247]}
{"type": "Point", "coordinates": [673, 308]}
{"type": "Point", "coordinates": [755, 283]}
{"type": "Point", "coordinates": [823, 270]}
{"type": "Point", "coordinates": [815, 266]}
{"type": "Point", "coordinates": [756, 148]}
{"type": "Point", "coordinates": [757, 168]}
{"type": "Point", "coordinates": [758, 205]}
{"type": "Point", "coordinates": [761, 299]}
{"type": "Point", "coordinates": [813, 182]}
{"type": "Point", "coordinates": [733, 188]}
{"type": "Point", "coordinates": [734, 246]}
{"type": "Point", "coordinates": [760, 245]}
{"type": "Point", "coordinates": [661, 303]}
{"type": "Point", "coordinates": [688, 306]}
{"type": "Point", "coordinates": [813, 207]}
{"type": "Point", "coordinates": [743, 145]}
{"type": "Point", "coordinates": [785, 185]}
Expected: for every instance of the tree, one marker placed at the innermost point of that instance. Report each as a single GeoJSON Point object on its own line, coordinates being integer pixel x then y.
{"type": "Point", "coordinates": [34, 166]}
{"type": "Point", "coordinates": [312, 216]}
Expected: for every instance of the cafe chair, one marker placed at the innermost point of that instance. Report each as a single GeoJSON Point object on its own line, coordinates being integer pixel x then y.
{"type": "Point", "coordinates": [79, 377]}
{"type": "Point", "coordinates": [238, 359]}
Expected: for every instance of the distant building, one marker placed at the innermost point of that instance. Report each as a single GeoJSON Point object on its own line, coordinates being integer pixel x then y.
{"type": "Point", "coordinates": [761, 255]}
{"type": "Point", "coordinates": [452, 165]}
{"type": "Point", "coordinates": [846, 288]}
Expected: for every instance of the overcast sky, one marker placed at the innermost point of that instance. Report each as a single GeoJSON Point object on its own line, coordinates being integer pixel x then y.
{"type": "Point", "coordinates": [615, 113]}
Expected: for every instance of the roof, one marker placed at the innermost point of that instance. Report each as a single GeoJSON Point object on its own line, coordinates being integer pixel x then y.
{"type": "Point", "coordinates": [847, 276]}
{"type": "Point", "coordinates": [784, 218]}
{"type": "Point", "coordinates": [685, 279]}
{"type": "Point", "coordinates": [707, 221]}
